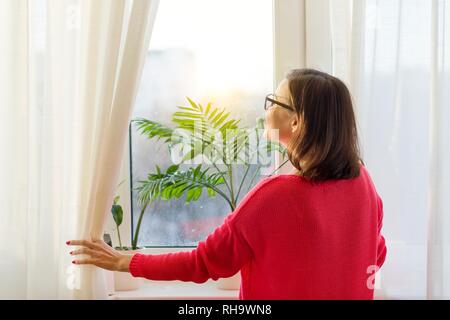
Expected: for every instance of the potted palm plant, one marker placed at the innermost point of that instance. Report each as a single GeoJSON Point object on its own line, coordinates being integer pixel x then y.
{"type": "Point", "coordinates": [209, 149]}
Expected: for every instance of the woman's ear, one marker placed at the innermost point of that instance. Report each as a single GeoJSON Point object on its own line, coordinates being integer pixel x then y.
{"type": "Point", "coordinates": [295, 123]}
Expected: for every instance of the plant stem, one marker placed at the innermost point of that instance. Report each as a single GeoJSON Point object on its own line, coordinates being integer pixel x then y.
{"type": "Point", "coordinates": [257, 161]}
{"type": "Point", "coordinates": [118, 235]}
{"type": "Point", "coordinates": [253, 177]}
{"type": "Point", "coordinates": [223, 195]}
{"type": "Point", "coordinates": [215, 165]}
{"type": "Point", "coordinates": [219, 192]}
{"type": "Point", "coordinates": [242, 182]}
{"type": "Point", "coordinates": [230, 174]}
{"type": "Point", "coordinates": [273, 172]}
{"type": "Point", "coordinates": [138, 227]}
{"type": "Point", "coordinates": [223, 176]}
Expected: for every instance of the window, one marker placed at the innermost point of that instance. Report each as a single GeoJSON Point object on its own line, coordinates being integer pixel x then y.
{"type": "Point", "coordinates": [222, 53]}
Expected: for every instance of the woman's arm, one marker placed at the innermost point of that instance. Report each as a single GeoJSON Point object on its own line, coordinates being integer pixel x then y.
{"type": "Point", "coordinates": [221, 255]}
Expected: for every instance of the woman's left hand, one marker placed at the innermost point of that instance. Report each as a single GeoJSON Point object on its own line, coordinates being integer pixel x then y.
{"type": "Point", "coordinates": [101, 255]}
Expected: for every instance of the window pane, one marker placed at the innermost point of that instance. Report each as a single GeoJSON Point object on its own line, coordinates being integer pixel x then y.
{"type": "Point", "coordinates": [210, 51]}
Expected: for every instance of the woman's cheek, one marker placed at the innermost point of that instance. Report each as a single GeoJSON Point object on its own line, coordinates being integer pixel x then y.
{"type": "Point", "coordinates": [269, 126]}
{"type": "Point", "coordinates": [285, 136]}
{"type": "Point", "coordinates": [274, 126]}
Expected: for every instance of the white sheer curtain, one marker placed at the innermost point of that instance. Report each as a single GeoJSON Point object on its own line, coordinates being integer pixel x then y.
{"type": "Point", "coordinates": [395, 56]}
{"type": "Point", "coordinates": [69, 71]}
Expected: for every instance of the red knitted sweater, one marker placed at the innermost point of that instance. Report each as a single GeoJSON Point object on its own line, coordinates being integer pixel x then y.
{"type": "Point", "coordinates": [290, 239]}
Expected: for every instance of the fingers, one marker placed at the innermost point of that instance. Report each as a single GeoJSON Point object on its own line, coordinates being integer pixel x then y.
{"type": "Point", "coordinates": [83, 251]}
{"type": "Point", "coordinates": [84, 261]}
{"type": "Point", "coordinates": [84, 243]}
{"type": "Point", "coordinates": [96, 250]}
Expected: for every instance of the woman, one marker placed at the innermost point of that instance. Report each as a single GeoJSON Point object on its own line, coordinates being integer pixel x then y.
{"type": "Point", "coordinates": [311, 234]}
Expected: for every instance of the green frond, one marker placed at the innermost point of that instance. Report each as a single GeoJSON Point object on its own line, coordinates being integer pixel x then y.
{"type": "Point", "coordinates": [174, 183]}
{"type": "Point", "coordinates": [153, 129]}
{"type": "Point", "coordinates": [209, 119]}
{"type": "Point", "coordinates": [208, 128]}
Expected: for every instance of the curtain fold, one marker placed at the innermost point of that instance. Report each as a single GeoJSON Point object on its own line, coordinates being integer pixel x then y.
{"type": "Point", "coordinates": [438, 259]}
{"type": "Point", "coordinates": [397, 63]}
{"type": "Point", "coordinates": [13, 144]}
{"type": "Point", "coordinates": [69, 75]}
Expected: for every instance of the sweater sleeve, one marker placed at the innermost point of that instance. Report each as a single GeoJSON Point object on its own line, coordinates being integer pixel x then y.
{"type": "Point", "coordinates": [221, 255]}
{"type": "Point", "coordinates": [381, 248]}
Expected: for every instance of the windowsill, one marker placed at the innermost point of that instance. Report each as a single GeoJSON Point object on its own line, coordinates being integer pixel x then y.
{"type": "Point", "coordinates": [179, 290]}
{"type": "Point", "coordinates": [176, 290]}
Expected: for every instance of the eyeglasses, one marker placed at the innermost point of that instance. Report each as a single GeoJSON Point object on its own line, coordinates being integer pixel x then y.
{"type": "Point", "coordinates": [271, 100]}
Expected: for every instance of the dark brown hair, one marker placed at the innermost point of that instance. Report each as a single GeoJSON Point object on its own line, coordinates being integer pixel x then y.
{"type": "Point", "coordinates": [325, 146]}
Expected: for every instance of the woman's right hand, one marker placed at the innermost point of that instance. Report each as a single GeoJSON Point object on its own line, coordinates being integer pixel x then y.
{"type": "Point", "coordinates": [100, 255]}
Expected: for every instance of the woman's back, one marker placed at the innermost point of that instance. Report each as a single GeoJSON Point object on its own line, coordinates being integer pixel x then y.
{"type": "Point", "coordinates": [311, 241]}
